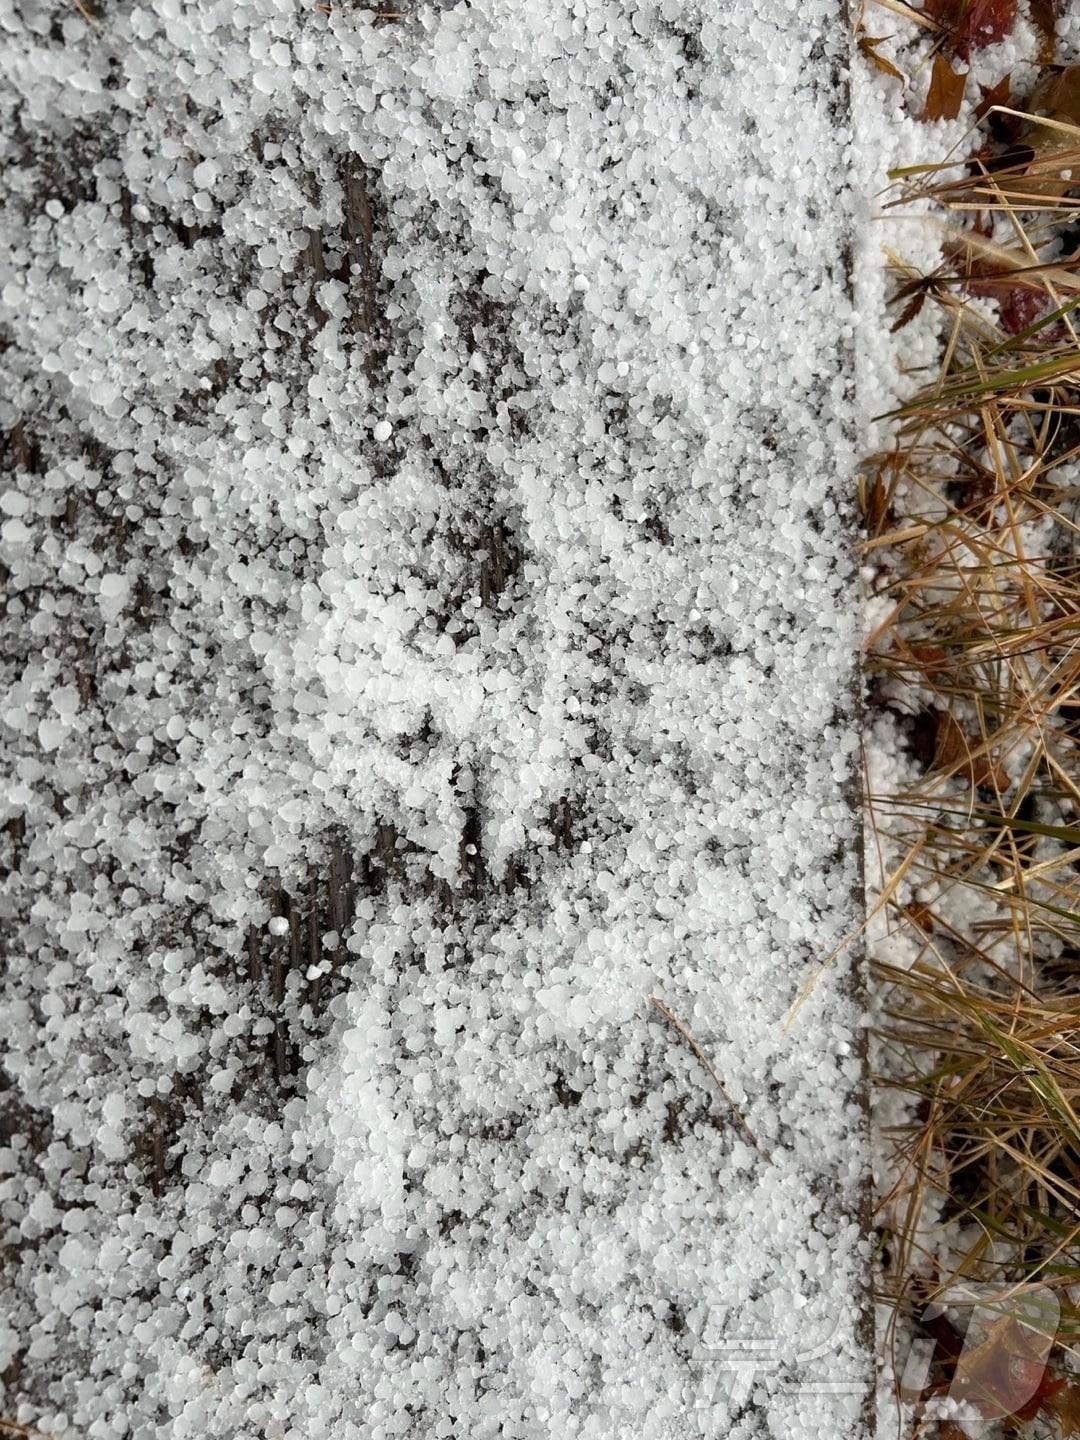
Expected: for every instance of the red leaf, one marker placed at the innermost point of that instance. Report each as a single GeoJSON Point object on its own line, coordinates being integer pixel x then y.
{"type": "Point", "coordinates": [1042, 1398]}
{"type": "Point", "coordinates": [984, 22]}
{"type": "Point", "coordinates": [946, 12]}
{"type": "Point", "coordinates": [945, 93]}
{"type": "Point", "coordinates": [1018, 305]}
{"type": "Point", "coordinates": [973, 24]}
{"type": "Point", "coordinates": [1020, 301]}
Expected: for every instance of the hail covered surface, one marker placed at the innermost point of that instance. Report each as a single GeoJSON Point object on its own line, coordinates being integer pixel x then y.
{"type": "Point", "coordinates": [429, 635]}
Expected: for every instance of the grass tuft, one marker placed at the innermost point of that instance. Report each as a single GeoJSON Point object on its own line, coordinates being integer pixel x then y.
{"type": "Point", "coordinates": [971, 519]}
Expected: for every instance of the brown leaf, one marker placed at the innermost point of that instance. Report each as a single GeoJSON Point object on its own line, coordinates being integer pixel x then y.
{"type": "Point", "coordinates": [1058, 95]}
{"type": "Point", "coordinates": [921, 916]}
{"type": "Point", "coordinates": [994, 95]}
{"type": "Point", "coordinates": [1044, 16]}
{"type": "Point", "coordinates": [868, 46]}
{"type": "Point", "coordinates": [1050, 170]}
{"type": "Point", "coordinates": [951, 744]}
{"type": "Point", "coordinates": [1066, 1406]}
{"type": "Point", "coordinates": [955, 750]}
{"type": "Point", "coordinates": [1006, 1375]}
{"type": "Point", "coordinates": [987, 774]}
{"type": "Point", "coordinates": [932, 662]}
{"type": "Point", "coordinates": [876, 504]}
{"type": "Point", "coordinates": [945, 93]}
{"type": "Point", "coordinates": [910, 310]}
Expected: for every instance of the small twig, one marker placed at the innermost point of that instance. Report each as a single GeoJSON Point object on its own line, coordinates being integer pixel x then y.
{"type": "Point", "coordinates": [91, 19]}
{"type": "Point", "coordinates": [696, 1048]}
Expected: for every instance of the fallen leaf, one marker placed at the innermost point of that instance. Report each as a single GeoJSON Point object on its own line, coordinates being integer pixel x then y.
{"type": "Point", "coordinates": [910, 310]}
{"type": "Point", "coordinates": [1044, 1395]}
{"type": "Point", "coordinates": [1044, 16]}
{"type": "Point", "coordinates": [876, 504]}
{"type": "Point", "coordinates": [1057, 94]}
{"type": "Point", "coordinates": [992, 95]}
{"type": "Point", "coordinates": [1066, 1406]}
{"type": "Point", "coordinates": [1006, 1377]}
{"type": "Point", "coordinates": [868, 46]}
{"type": "Point", "coordinates": [945, 12]}
{"type": "Point", "coordinates": [1018, 305]}
{"type": "Point", "coordinates": [972, 24]}
{"type": "Point", "coordinates": [951, 745]}
{"type": "Point", "coordinates": [982, 23]}
{"type": "Point", "coordinates": [1020, 301]}
{"type": "Point", "coordinates": [946, 91]}
{"type": "Point", "coordinates": [956, 750]}
{"type": "Point", "coordinates": [1056, 152]}
{"type": "Point", "coordinates": [921, 916]}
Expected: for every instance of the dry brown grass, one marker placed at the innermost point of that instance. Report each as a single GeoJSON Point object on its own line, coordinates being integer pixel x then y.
{"type": "Point", "coordinates": [972, 526]}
